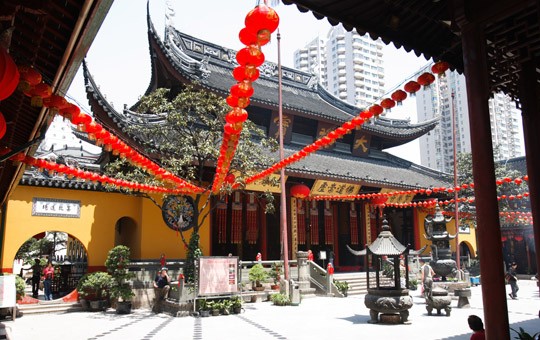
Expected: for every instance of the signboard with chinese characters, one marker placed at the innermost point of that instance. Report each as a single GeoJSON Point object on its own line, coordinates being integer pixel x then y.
{"type": "Point", "coordinates": [407, 198]}
{"type": "Point", "coordinates": [323, 187]}
{"type": "Point", "coordinates": [287, 127]}
{"type": "Point", "coordinates": [218, 275]}
{"type": "Point", "coordinates": [55, 207]}
{"type": "Point", "coordinates": [260, 186]}
{"type": "Point", "coordinates": [361, 144]}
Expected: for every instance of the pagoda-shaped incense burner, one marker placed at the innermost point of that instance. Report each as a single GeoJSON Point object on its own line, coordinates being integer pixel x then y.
{"type": "Point", "coordinates": [437, 233]}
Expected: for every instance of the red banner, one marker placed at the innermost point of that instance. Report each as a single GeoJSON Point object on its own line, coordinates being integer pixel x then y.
{"type": "Point", "coordinates": [236, 226]}
{"type": "Point", "coordinates": [354, 225]}
{"type": "Point", "coordinates": [301, 220]}
{"type": "Point", "coordinates": [328, 224]}
{"type": "Point", "coordinates": [314, 218]}
{"type": "Point", "coordinates": [252, 232]}
{"type": "Point", "coordinates": [221, 221]}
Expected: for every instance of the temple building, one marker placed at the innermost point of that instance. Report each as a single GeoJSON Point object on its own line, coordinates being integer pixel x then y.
{"type": "Point", "coordinates": [355, 164]}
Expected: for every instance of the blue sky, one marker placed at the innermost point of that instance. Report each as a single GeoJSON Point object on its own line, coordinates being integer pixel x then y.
{"type": "Point", "coordinates": [119, 57]}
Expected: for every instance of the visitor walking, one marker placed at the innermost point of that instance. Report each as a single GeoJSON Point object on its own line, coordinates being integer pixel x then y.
{"type": "Point", "coordinates": [48, 276]}
{"type": "Point", "coordinates": [511, 275]}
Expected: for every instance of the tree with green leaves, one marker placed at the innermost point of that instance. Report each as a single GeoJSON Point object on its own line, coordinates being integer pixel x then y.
{"type": "Point", "coordinates": [505, 189]}
{"type": "Point", "coordinates": [183, 134]}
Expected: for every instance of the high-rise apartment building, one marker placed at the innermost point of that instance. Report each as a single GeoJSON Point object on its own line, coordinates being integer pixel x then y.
{"type": "Point", "coordinates": [436, 147]}
{"type": "Point", "coordinates": [349, 66]}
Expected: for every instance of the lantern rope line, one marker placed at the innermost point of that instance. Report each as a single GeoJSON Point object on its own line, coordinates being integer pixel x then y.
{"type": "Point", "coordinates": [95, 177]}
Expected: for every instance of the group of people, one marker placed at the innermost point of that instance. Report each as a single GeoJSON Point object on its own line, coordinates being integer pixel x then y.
{"type": "Point", "coordinates": [46, 276]}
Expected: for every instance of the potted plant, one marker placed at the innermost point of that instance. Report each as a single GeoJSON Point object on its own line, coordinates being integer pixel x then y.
{"type": "Point", "coordinates": [226, 306]}
{"type": "Point", "coordinates": [280, 299]}
{"type": "Point", "coordinates": [257, 274]}
{"type": "Point", "coordinates": [215, 307]}
{"type": "Point", "coordinates": [275, 274]}
{"type": "Point", "coordinates": [236, 304]}
{"type": "Point", "coordinates": [117, 264]}
{"type": "Point", "coordinates": [94, 287]}
{"type": "Point", "coordinates": [204, 308]}
{"type": "Point", "coordinates": [20, 286]}
{"type": "Point", "coordinates": [342, 287]}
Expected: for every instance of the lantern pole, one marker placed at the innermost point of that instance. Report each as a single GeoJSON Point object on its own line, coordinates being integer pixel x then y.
{"type": "Point", "coordinates": [456, 203]}
{"type": "Point", "coordinates": [283, 198]}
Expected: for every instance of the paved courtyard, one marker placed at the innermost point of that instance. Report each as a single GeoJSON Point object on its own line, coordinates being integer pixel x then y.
{"type": "Point", "coordinates": [315, 318]}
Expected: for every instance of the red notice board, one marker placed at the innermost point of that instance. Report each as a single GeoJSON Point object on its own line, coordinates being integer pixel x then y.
{"type": "Point", "coordinates": [218, 275]}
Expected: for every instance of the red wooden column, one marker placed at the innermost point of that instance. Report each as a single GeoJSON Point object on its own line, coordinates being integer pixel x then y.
{"type": "Point", "coordinates": [489, 240]}
{"type": "Point", "coordinates": [530, 112]}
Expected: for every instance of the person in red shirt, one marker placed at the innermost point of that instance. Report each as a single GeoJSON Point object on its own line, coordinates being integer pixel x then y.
{"type": "Point", "coordinates": [477, 326]}
{"type": "Point", "coordinates": [48, 276]}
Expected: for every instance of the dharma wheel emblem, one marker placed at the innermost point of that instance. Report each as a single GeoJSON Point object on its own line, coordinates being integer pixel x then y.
{"type": "Point", "coordinates": [178, 212]}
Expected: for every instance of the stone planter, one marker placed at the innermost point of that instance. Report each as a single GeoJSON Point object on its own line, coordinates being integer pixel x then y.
{"type": "Point", "coordinates": [98, 305]}
{"type": "Point", "coordinates": [205, 313]}
{"type": "Point", "coordinates": [85, 304]}
{"type": "Point", "coordinates": [123, 307]}
{"type": "Point", "coordinates": [393, 303]}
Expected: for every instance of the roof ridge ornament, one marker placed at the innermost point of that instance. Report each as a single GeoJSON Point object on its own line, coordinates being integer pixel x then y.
{"type": "Point", "coordinates": [169, 14]}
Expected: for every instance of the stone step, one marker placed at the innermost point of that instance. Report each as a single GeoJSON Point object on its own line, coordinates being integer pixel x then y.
{"type": "Point", "coordinates": [42, 308]}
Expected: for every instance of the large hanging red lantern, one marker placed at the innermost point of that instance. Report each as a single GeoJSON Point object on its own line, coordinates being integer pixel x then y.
{"type": "Point", "coordinates": [250, 56]}
{"type": "Point", "coordinates": [247, 37]}
{"type": "Point", "coordinates": [3, 126]}
{"type": "Point", "coordinates": [399, 96]}
{"type": "Point", "coordinates": [300, 191]}
{"type": "Point", "coordinates": [28, 77]}
{"type": "Point", "coordinates": [411, 87]}
{"type": "Point", "coordinates": [376, 110]}
{"type": "Point", "coordinates": [388, 103]}
{"type": "Point", "coordinates": [242, 73]}
{"type": "Point", "coordinates": [38, 93]}
{"type": "Point", "coordinates": [9, 74]}
{"type": "Point", "coordinates": [439, 68]}
{"type": "Point", "coordinates": [426, 79]}
{"type": "Point", "coordinates": [260, 18]}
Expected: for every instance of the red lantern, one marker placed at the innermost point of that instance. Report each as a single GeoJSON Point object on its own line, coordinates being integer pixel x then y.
{"type": "Point", "coordinates": [28, 77]}
{"type": "Point", "coordinates": [9, 74]}
{"type": "Point", "coordinates": [367, 114]}
{"type": "Point", "coordinates": [243, 89]}
{"type": "Point", "coordinates": [260, 18]}
{"type": "Point", "coordinates": [230, 178]}
{"type": "Point", "coordinates": [38, 93]}
{"type": "Point", "coordinates": [69, 111]}
{"type": "Point", "coordinates": [55, 102]}
{"type": "Point", "coordinates": [399, 96]}
{"type": "Point", "coordinates": [3, 126]}
{"type": "Point", "coordinates": [250, 56]}
{"type": "Point", "coordinates": [242, 73]}
{"type": "Point", "coordinates": [518, 238]}
{"type": "Point", "coordinates": [426, 79]}
{"type": "Point", "coordinates": [247, 37]}
{"type": "Point", "coordinates": [231, 129]}
{"type": "Point", "coordinates": [236, 116]}
{"type": "Point", "coordinates": [388, 103]}
{"type": "Point", "coordinates": [376, 110]}
{"type": "Point", "coordinates": [412, 87]}
{"type": "Point", "coordinates": [439, 68]}
{"type": "Point", "coordinates": [379, 199]}
{"type": "Point", "coordinates": [300, 191]}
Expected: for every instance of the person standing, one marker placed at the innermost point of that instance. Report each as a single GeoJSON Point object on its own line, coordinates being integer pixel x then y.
{"type": "Point", "coordinates": [512, 280]}
{"type": "Point", "coordinates": [36, 277]}
{"type": "Point", "coordinates": [48, 276]}
{"type": "Point", "coordinates": [477, 326]}
{"type": "Point", "coordinates": [427, 280]}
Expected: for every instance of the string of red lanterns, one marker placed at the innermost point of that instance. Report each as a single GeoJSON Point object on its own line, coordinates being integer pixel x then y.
{"type": "Point", "coordinates": [93, 176]}
{"type": "Point", "coordinates": [375, 110]}
{"type": "Point", "coordinates": [260, 23]}
{"type": "Point", "coordinates": [31, 84]}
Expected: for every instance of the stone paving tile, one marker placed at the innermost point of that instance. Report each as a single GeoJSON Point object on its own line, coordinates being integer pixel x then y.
{"type": "Point", "coordinates": [315, 318]}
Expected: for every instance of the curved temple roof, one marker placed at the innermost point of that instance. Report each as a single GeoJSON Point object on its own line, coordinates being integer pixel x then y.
{"type": "Point", "coordinates": [188, 58]}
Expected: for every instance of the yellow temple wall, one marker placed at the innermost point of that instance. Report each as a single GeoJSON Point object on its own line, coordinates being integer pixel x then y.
{"type": "Point", "coordinates": [95, 228]}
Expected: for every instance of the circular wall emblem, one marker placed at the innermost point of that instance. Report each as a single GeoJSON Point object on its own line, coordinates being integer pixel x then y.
{"type": "Point", "coordinates": [178, 212]}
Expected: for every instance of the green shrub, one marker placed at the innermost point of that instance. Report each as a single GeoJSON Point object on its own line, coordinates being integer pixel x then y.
{"type": "Point", "coordinates": [117, 264]}
{"type": "Point", "coordinates": [280, 299]}
{"type": "Point", "coordinates": [257, 274]}
{"type": "Point", "coordinates": [95, 286]}
{"type": "Point", "coordinates": [342, 286]}
{"type": "Point", "coordinates": [20, 285]}
{"type": "Point", "coordinates": [275, 272]}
